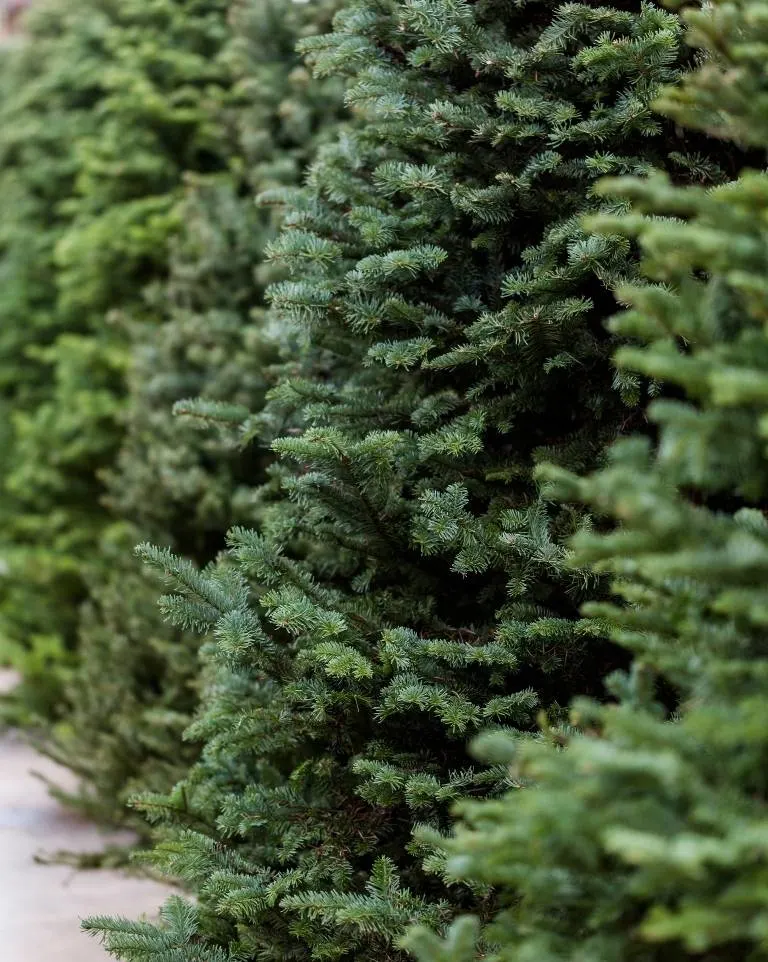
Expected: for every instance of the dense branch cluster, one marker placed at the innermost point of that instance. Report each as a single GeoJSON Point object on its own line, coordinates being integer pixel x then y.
{"type": "Point", "coordinates": [421, 345]}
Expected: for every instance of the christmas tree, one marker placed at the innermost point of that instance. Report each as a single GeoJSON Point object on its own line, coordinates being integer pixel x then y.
{"type": "Point", "coordinates": [643, 840]}
{"type": "Point", "coordinates": [412, 586]}
{"type": "Point", "coordinates": [135, 683]}
{"type": "Point", "coordinates": [48, 93]}
{"type": "Point", "coordinates": [101, 121]}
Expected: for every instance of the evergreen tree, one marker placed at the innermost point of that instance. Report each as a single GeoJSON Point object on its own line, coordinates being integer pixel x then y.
{"type": "Point", "coordinates": [133, 90]}
{"type": "Point", "coordinates": [136, 682]}
{"type": "Point", "coordinates": [644, 839]}
{"type": "Point", "coordinates": [411, 586]}
{"type": "Point", "coordinates": [49, 89]}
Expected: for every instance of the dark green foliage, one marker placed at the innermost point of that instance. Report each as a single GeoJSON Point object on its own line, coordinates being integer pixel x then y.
{"type": "Point", "coordinates": [411, 586]}
{"type": "Point", "coordinates": [211, 344]}
{"type": "Point", "coordinates": [211, 360]}
{"type": "Point", "coordinates": [645, 839]}
{"type": "Point", "coordinates": [131, 696]}
{"type": "Point", "coordinates": [175, 479]}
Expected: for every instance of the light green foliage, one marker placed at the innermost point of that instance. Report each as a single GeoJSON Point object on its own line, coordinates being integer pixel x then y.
{"type": "Point", "coordinates": [410, 587]}
{"type": "Point", "coordinates": [48, 92]}
{"type": "Point", "coordinates": [126, 92]}
{"type": "Point", "coordinates": [645, 839]}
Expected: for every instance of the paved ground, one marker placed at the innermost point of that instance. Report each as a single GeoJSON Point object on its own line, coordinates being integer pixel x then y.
{"type": "Point", "coordinates": [41, 905]}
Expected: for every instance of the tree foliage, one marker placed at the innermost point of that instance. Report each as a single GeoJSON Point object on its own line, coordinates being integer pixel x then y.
{"type": "Point", "coordinates": [42, 110]}
{"type": "Point", "coordinates": [643, 840]}
{"type": "Point", "coordinates": [208, 356]}
{"type": "Point", "coordinates": [410, 585]}
{"type": "Point", "coordinates": [107, 106]}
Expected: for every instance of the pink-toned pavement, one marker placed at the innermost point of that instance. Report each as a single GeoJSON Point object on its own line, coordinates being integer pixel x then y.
{"type": "Point", "coordinates": [41, 905]}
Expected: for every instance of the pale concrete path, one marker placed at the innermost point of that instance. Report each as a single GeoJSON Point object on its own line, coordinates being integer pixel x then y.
{"type": "Point", "coordinates": [41, 905]}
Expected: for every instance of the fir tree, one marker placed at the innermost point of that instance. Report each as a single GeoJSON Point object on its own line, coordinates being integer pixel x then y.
{"type": "Point", "coordinates": [644, 839]}
{"type": "Point", "coordinates": [129, 113]}
{"type": "Point", "coordinates": [175, 480]}
{"type": "Point", "coordinates": [411, 586]}
{"type": "Point", "coordinates": [49, 89]}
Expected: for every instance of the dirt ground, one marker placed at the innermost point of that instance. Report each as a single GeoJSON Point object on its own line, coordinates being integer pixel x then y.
{"type": "Point", "coordinates": [41, 905]}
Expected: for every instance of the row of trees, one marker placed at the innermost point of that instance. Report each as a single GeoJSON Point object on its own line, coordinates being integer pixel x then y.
{"type": "Point", "coordinates": [330, 332]}
{"type": "Point", "coordinates": [133, 143]}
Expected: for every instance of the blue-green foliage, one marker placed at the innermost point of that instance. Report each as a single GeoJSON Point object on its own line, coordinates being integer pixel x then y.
{"type": "Point", "coordinates": [410, 587]}
{"type": "Point", "coordinates": [645, 839]}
